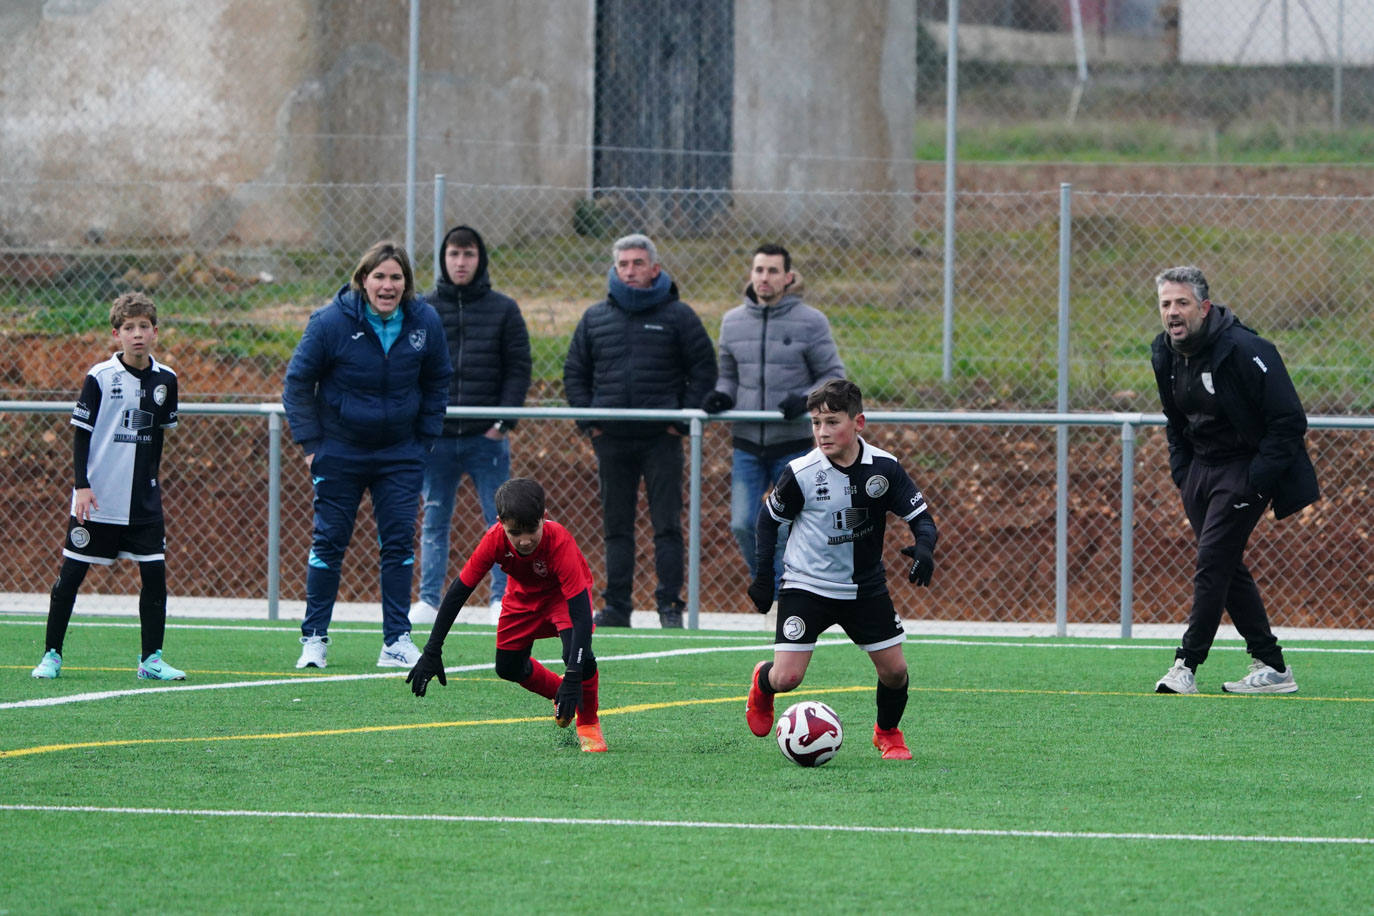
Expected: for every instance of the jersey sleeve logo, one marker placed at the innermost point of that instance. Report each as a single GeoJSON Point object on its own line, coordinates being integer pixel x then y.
{"type": "Point", "coordinates": [876, 486]}
{"type": "Point", "coordinates": [160, 395]}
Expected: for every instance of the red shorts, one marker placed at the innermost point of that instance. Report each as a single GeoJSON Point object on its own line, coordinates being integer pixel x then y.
{"type": "Point", "coordinates": [518, 628]}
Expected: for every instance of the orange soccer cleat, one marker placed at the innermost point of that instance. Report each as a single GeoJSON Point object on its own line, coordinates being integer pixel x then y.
{"type": "Point", "coordinates": [591, 739]}
{"type": "Point", "coordinates": [758, 709]}
{"type": "Point", "coordinates": [891, 743]}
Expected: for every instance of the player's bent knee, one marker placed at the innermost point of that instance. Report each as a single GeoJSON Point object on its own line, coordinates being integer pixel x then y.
{"type": "Point", "coordinates": [512, 666]}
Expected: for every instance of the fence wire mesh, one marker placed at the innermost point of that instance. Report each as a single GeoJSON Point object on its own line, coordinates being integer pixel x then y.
{"type": "Point", "coordinates": [137, 181]}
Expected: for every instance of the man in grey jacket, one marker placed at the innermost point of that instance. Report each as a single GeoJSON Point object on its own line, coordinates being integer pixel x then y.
{"type": "Point", "coordinates": [774, 349]}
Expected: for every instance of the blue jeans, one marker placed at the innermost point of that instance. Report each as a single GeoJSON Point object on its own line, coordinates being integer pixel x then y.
{"type": "Point", "coordinates": [750, 478]}
{"type": "Point", "coordinates": [487, 462]}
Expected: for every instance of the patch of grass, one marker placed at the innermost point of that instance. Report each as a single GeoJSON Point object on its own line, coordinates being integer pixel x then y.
{"type": "Point", "coordinates": [1026, 792]}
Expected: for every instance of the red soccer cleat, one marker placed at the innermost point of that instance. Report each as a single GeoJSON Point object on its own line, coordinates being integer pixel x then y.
{"type": "Point", "coordinates": [758, 709]}
{"type": "Point", "coordinates": [591, 739]}
{"type": "Point", "coordinates": [891, 743]}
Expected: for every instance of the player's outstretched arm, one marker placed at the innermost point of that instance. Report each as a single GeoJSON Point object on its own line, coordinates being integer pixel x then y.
{"type": "Point", "coordinates": [922, 553]}
{"type": "Point", "coordinates": [570, 688]}
{"type": "Point", "coordinates": [431, 663]}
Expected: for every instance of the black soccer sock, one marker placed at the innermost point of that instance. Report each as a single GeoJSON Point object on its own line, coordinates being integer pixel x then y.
{"type": "Point", "coordinates": [762, 679]}
{"type": "Point", "coordinates": [891, 704]}
{"type": "Point", "coordinates": [152, 605]}
{"type": "Point", "coordinates": [62, 599]}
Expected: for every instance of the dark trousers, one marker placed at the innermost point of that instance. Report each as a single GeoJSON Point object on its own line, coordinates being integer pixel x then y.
{"type": "Point", "coordinates": [341, 475]}
{"type": "Point", "coordinates": [621, 462]}
{"type": "Point", "coordinates": [1223, 510]}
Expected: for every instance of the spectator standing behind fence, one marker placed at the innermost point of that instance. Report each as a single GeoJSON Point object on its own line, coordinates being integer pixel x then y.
{"type": "Point", "coordinates": [489, 347]}
{"type": "Point", "coordinates": [1236, 442]}
{"type": "Point", "coordinates": [774, 349]}
{"type": "Point", "coordinates": [641, 347]}
{"type": "Point", "coordinates": [365, 394]}
{"type": "Point", "coordinates": [125, 404]}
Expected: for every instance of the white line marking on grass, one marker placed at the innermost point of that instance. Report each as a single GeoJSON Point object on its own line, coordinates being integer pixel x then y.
{"type": "Point", "coordinates": [707, 825]}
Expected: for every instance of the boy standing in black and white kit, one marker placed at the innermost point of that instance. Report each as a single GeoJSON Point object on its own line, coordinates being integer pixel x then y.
{"type": "Point", "coordinates": [125, 404]}
{"type": "Point", "coordinates": [836, 498]}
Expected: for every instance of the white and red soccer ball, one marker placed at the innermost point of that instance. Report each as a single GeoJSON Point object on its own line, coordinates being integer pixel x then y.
{"type": "Point", "coordinates": [809, 733]}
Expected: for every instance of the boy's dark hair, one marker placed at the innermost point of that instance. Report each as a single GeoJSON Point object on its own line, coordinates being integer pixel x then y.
{"type": "Point", "coordinates": [520, 501]}
{"type": "Point", "coordinates": [840, 395]}
{"type": "Point", "coordinates": [132, 305]}
{"type": "Point", "coordinates": [771, 250]}
{"type": "Point", "coordinates": [461, 237]}
{"type": "Point", "coordinates": [385, 251]}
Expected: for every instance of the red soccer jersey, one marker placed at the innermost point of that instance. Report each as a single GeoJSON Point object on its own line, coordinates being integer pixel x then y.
{"type": "Point", "coordinates": [556, 571]}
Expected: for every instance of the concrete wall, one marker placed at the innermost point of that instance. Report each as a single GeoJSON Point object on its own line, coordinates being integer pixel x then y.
{"type": "Point", "coordinates": [825, 99]}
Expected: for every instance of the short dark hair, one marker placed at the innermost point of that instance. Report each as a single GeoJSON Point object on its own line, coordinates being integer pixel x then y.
{"type": "Point", "coordinates": [385, 250]}
{"type": "Point", "coordinates": [769, 248]}
{"type": "Point", "coordinates": [132, 305]}
{"type": "Point", "coordinates": [520, 501]}
{"type": "Point", "coordinates": [838, 394]}
{"type": "Point", "coordinates": [1189, 275]}
{"type": "Point", "coordinates": [461, 237]}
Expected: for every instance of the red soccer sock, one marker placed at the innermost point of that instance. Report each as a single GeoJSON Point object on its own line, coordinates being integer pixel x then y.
{"type": "Point", "coordinates": [587, 709]}
{"type": "Point", "coordinates": [541, 681]}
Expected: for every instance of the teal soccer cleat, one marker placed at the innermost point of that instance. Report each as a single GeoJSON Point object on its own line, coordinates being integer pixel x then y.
{"type": "Point", "coordinates": [153, 668]}
{"type": "Point", "coordinates": [50, 667]}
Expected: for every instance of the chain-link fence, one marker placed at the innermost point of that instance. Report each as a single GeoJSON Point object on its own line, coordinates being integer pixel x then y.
{"type": "Point", "coordinates": [236, 174]}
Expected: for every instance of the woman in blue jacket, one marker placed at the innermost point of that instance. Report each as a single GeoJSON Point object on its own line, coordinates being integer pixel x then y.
{"type": "Point", "coordinates": [365, 395]}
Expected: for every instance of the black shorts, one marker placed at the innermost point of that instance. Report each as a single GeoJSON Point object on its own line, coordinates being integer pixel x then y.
{"type": "Point", "coordinates": [101, 543]}
{"type": "Point", "coordinates": [870, 623]}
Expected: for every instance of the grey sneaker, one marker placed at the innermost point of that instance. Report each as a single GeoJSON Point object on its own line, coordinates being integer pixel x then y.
{"type": "Point", "coordinates": [423, 612]}
{"type": "Point", "coordinates": [612, 617]}
{"type": "Point", "coordinates": [313, 650]}
{"type": "Point", "coordinates": [1180, 679]}
{"type": "Point", "coordinates": [670, 615]}
{"type": "Point", "coordinates": [400, 654]}
{"type": "Point", "coordinates": [1263, 679]}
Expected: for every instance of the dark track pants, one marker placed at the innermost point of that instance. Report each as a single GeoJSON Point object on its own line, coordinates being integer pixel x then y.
{"type": "Point", "coordinates": [1223, 510]}
{"type": "Point", "coordinates": [621, 462]}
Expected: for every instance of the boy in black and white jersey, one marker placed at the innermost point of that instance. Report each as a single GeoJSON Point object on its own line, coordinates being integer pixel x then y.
{"type": "Point", "coordinates": [836, 498]}
{"type": "Point", "coordinates": [125, 404]}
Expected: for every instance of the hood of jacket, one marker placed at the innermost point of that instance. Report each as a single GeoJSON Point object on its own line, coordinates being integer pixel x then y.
{"type": "Point", "coordinates": [480, 283]}
{"type": "Point", "coordinates": [633, 299]}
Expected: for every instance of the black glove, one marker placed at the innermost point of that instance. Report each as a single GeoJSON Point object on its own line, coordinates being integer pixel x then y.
{"type": "Point", "coordinates": [922, 564]}
{"type": "Point", "coordinates": [716, 401]}
{"type": "Point", "coordinates": [793, 406]}
{"type": "Point", "coordinates": [761, 591]}
{"type": "Point", "coordinates": [569, 694]}
{"type": "Point", "coordinates": [431, 664]}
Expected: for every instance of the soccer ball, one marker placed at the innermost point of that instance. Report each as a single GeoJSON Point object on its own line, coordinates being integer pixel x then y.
{"type": "Point", "coordinates": [809, 733]}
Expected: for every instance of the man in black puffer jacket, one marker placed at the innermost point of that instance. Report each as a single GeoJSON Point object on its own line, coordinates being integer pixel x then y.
{"type": "Point", "coordinates": [489, 347]}
{"type": "Point", "coordinates": [1236, 444]}
{"type": "Point", "coordinates": [639, 348]}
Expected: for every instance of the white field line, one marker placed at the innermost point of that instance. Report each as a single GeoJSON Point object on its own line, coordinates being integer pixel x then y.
{"type": "Point", "coordinates": [705, 825]}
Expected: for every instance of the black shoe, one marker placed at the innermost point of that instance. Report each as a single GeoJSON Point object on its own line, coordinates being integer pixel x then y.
{"type": "Point", "coordinates": [611, 617]}
{"type": "Point", "coordinates": [670, 615]}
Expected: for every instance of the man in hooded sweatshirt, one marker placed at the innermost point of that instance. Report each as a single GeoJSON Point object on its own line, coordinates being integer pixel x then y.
{"type": "Point", "coordinates": [774, 351]}
{"type": "Point", "coordinates": [489, 347]}
{"type": "Point", "coordinates": [1236, 444]}
{"type": "Point", "coordinates": [641, 347]}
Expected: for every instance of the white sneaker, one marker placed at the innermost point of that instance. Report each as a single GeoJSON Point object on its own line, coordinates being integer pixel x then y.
{"type": "Point", "coordinates": [400, 654]}
{"type": "Point", "coordinates": [423, 612]}
{"type": "Point", "coordinates": [1263, 679]}
{"type": "Point", "coordinates": [1180, 679]}
{"type": "Point", "coordinates": [313, 650]}
{"type": "Point", "coordinates": [494, 609]}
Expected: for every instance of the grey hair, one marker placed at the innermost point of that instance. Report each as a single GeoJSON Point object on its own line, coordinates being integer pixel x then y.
{"type": "Point", "coordinates": [634, 241]}
{"type": "Point", "coordinates": [1189, 275]}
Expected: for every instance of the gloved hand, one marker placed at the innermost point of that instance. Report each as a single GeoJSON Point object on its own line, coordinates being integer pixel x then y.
{"type": "Point", "coordinates": [761, 591]}
{"type": "Point", "coordinates": [569, 694]}
{"type": "Point", "coordinates": [922, 564]}
{"type": "Point", "coordinates": [431, 664]}
{"type": "Point", "coordinates": [716, 401]}
{"type": "Point", "coordinates": [793, 406]}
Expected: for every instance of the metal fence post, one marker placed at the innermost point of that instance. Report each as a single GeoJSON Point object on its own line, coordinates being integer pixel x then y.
{"type": "Point", "coordinates": [1127, 525]}
{"type": "Point", "coordinates": [440, 191]}
{"type": "Point", "coordinates": [694, 527]}
{"type": "Point", "coordinates": [412, 124]}
{"type": "Point", "coordinates": [274, 427]}
{"type": "Point", "coordinates": [1061, 437]}
{"type": "Point", "coordinates": [951, 121]}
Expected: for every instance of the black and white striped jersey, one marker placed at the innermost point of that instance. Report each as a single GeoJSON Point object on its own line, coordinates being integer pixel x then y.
{"type": "Point", "coordinates": [125, 410]}
{"type": "Point", "coordinates": [838, 518]}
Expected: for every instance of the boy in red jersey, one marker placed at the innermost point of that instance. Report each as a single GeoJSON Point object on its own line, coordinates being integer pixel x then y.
{"type": "Point", "coordinates": [548, 593]}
